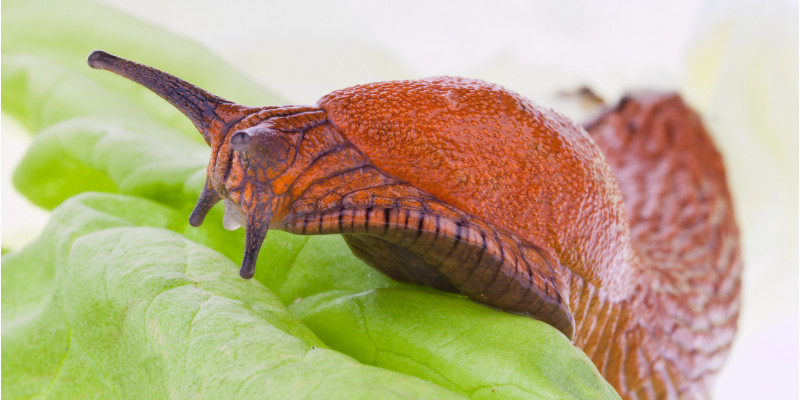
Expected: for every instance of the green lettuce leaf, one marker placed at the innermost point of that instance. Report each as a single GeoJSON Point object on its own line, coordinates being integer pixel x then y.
{"type": "Point", "coordinates": [120, 297]}
{"type": "Point", "coordinates": [86, 154]}
{"type": "Point", "coordinates": [454, 342]}
{"type": "Point", "coordinates": [120, 310]}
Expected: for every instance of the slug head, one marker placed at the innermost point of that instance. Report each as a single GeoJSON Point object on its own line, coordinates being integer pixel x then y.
{"type": "Point", "coordinates": [248, 161]}
{"type": "Point", "coordinates": [249, 155]}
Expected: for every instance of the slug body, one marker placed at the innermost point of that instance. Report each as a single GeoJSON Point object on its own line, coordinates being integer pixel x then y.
{"type": "Point", "coordinates": [467, 187]}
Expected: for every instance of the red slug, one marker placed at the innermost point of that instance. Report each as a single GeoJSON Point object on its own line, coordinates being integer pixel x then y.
{"type": "Point", "coordinates": [624, 238]}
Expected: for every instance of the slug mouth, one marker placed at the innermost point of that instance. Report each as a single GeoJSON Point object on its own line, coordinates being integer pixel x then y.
{"type": "Point", "coordinates": [234, 218]}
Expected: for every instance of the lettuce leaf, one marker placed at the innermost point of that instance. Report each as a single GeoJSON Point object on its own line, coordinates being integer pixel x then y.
{"type": "Point", "coordinates": [121, 310]}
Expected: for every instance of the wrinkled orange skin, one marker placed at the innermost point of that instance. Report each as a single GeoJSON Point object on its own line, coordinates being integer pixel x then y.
{"type": "Point", "coordinates": [494, 154]}
{"type": "Point", "coordinates": [636, 213]}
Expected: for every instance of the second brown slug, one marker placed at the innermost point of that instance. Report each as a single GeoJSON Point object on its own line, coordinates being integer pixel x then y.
{"type": "Point", "coordinates": [624, 238]}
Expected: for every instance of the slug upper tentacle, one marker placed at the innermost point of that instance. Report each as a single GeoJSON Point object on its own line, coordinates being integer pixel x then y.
{"type": "Point", "coordinates": [240, 140]}
{"type": "Point", "coordinates": [624, 238]}
{"type": "Point", "coordinates": [197, 104]}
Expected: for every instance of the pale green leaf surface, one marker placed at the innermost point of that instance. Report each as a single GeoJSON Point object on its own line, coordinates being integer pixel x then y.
{"type": "Point", "coordinates": [84, 154]}
{"type": "Point", "coordinates": [138, 312]}
{"type": "Point", "coordinates": [454, 342]}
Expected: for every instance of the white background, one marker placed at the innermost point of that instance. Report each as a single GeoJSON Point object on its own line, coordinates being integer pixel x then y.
{"type": "Point", "coordinates": [736, 61]}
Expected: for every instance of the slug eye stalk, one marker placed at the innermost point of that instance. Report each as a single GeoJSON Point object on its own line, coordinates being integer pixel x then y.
{"type": "Point", "coordinates": [240, 141]}
{"type": "Point", "coordinates": [195, 103]}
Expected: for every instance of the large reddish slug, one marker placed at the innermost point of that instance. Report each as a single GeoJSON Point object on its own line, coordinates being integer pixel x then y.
{"type": "Point", "coordinates": [623, 239]}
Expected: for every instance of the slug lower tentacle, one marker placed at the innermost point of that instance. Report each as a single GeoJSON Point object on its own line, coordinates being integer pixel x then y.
{"type": "Point", "coordinates": [623, 238]}
{"type": "Point", "coordinates": [256, 225]}
{"type": "Point", "coordinates": [208, 198]}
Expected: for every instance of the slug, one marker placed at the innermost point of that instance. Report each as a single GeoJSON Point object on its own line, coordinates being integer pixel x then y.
{"type": "Point", "coordinates": [622, 238]}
